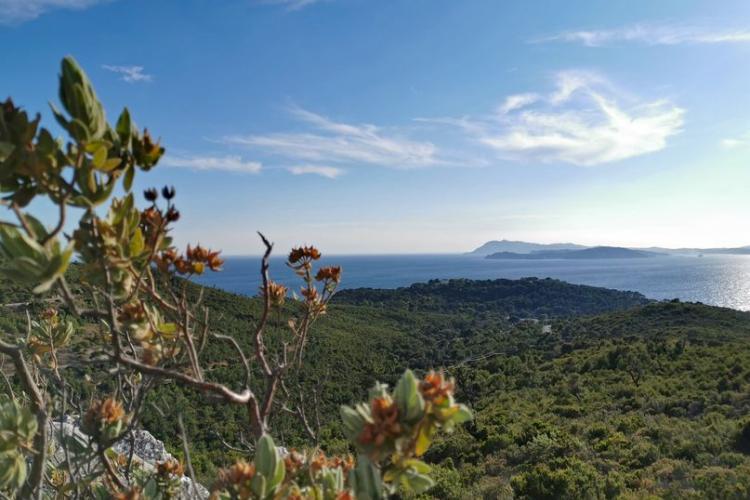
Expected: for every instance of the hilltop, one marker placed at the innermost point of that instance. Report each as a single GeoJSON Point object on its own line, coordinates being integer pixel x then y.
{"type": "Point", "coordinates": [521, 247]}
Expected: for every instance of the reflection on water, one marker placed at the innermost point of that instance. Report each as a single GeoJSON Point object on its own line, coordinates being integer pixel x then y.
{"type": "Point", "coordinates": [722, 280]}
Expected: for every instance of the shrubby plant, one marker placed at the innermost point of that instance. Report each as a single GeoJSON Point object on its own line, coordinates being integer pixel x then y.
{"type": "Point", "coordinates": [133, 318]}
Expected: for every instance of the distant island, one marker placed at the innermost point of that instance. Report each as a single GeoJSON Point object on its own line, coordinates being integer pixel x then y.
{"type": "Point", "coordinates": [586, 253]}
{"type": "Point", "coordinates": [508, 249]}
{"type": "Point", "coordinates": [521, 247]}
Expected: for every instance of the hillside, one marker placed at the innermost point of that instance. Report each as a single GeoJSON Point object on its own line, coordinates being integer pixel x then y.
{"type": "Point", "coordinates": [646, 399]}
{"type": "Point", "coordinates": [520, 247]}
{"type": "Point", "coordinates": [586, 253]}
{"type": "Point", "coordinates": [527, 297]}
{"type": "Point", "coordinates": [611, 395]}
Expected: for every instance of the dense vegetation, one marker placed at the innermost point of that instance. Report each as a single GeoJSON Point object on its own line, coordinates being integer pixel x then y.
{"type": "Point", "coordinates": [524, 298]}
{"type": "Point", "coordinates": [652, 400]}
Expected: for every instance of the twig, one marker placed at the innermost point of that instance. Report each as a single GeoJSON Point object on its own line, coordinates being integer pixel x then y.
{"type": "Point", "coordinates": [186, 450]}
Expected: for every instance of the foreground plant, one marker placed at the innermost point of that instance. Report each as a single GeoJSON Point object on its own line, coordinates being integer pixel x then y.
{"type": "Point", "coordinates": [136, 313]}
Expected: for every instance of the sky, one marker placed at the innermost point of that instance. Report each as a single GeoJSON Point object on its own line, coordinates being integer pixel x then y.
{"type": "Point", "coordinates": [418, 126]}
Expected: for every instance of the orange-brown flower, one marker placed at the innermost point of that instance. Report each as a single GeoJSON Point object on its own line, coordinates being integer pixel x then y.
{"type": "Point", "coordinates": [293, 462]}
{"type": "Point", "coordinates": [102, 413]}
{"type": "Point", "coordinates": [169, 467]}
{"type": "Point", "coordinates": [385, 423]}
{"type": "Point", "coordinates": [345, 495]}
{"type": "Point", "coordinates": [237, 477]}
{"type": "Point", "coordinates": [345, 464]}
{"type": "Point", "coordinates": [151, 354]}
{"type": "Point", "coordinates": [196, 259]}
{"type": "Point", "coordinates": [108, 411]}
{"type": "Point", "coordinates": [183, 266]}
{"type": "Point", "coordinates": [436, 388]}
{"type": "Point", "coordinates": [166, 259]}
{"type": "Point", "coordinates": [311, 294]}
{"type": "Point", "coordinates": [276, 293]}
{"type": "Point", "coordinates": [58, 478]}
{"type": "Point", "coordinates": [49, 314]}
{"type": "Point", "coordinates": [318, 462]}
{"type": "Point", "coordinates": [330, 273]}
{"type": "Point", "coordinates": [132, 312]}
{"type": "Point", "coordinates": [150, 147]}
{"type": "Point", "coordinates": [151, 217]}
{"type": "Point", "coordinates": [214, 262]}
{"type": "Point", "coordinates": [304, 253]}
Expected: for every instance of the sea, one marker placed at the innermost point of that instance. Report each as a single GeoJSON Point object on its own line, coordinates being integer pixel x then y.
{"type": "Point", "coordinates": [721, 280]}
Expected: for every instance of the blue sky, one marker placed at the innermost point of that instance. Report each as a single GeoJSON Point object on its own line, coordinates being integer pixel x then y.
{"type": "Point", "coordinates": [386, 126]}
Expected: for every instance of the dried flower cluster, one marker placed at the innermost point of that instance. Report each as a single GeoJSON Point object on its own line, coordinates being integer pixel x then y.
{"type": "Point", "coordinates": [385, 423]}
{"type": "Point", "coordinates": [104, 420]}
{"type": "Point", "coordinates": [193, 261]}
{"type": "Point", "coordinates": [236, 480]}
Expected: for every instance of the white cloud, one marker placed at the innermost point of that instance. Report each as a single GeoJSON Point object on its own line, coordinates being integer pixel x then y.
{"type": "Point", "coordinates": [130, 74]}
{"type": "Point", "coordinates": [336, 142]}
{"type": "Point", "coordinates": [225, 163]}
{"type": "Point", "coordinates": [517, 101]}
{"type": "Point", "coordinates": [736, 142]}
{"type": "Point", "coordinates": [330, 172]}
{"type": "Point", "coordinates": [18, 11]}
{"type": "Point", "coordinates": [652, 34]}
{"type": "Point", "coordinates": [583, 121]}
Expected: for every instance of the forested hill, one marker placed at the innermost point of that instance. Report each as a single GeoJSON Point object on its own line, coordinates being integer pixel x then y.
{"type": "Point", "coordinates": [524, 298]}
{"type": "Point", "coordinates": [613, 396]}
{"type": "Point", "coordinates": [645, 400]}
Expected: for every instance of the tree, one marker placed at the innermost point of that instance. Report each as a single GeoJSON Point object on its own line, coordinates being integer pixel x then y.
{"type": "Point", "coordinates": [150, 330]}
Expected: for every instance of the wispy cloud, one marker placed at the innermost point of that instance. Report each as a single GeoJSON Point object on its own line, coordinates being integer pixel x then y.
{"type": "Point", "coordinates": [330, 172]}
{"type": "Point", "coordinates": [517, 101]}
{"type": "Point", "coordinates": [330, 141]}
{"type": "Point", "coordinates": [130, 74]}
{"type": "Point", "coordinates": [19, 11]}
{"type": "Point", "coordinates": [223, 163]}
{"type": "Point", "coordinates": [584, 121]}
{"type": "Point", "coordinates": [741, 141]}
{"type": "Point", "coordinates": [291, 4]}
{"type": "Point", "coordinates": [651, 34]}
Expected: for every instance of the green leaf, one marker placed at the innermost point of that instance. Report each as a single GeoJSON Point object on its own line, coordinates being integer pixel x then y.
{"type": "Point", "coordinates": [462, 415]}
{"type": "Point", "coordinates": [110, 164]}
{"type": "Point", "coordinates": [137, 243]}
{"type": "Point", "coordinates": [365, 480]}
{"type": "Point", "coordinates": [100, 157]}
{"type": "Point", "coordinates": [124, 128]}
{"type": "Point", "coordinates": [12, 470]}
{"type": "Point", "coordinates": [417, 465]}
{"type": "Point", "coordinates": [6, 148]}
{"type": "Point", "coordinates": [418, 483]}
{"type": "Point", "coordinates": [127, 182]}
{"type": "Point", "coordinates": [409, 400]}
{"type": "Point", "coordinates": [168, 329]}
{"type": "Point", "coordinates": [353, 422]}
{"type": "Point", "coordinates": [269, 463]}
{"type": "Point", "coordinates": [424, 439]}
{"type": "Point", "coordinates": [258, 485]}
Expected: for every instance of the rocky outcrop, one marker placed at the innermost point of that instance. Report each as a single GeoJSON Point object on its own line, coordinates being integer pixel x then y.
{"type": "Point", "coordinates": [146, 452]}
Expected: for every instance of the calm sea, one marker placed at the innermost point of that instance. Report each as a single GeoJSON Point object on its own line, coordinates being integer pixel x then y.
{"type": "Point", "coordinates": [722, 280]}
